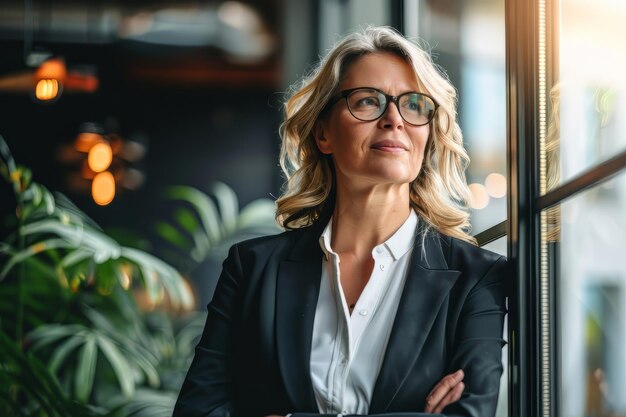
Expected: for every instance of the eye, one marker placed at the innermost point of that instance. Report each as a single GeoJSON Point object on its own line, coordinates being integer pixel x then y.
{"type": "Point", "coordinates": [416, 103]}
{"type": "Point", "coordinates": [415, 106]}
{"type": "Point", "coordinates": [367, 101]}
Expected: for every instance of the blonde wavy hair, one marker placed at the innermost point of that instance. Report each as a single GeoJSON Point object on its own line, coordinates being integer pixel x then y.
{"type": "Point", "coordinates": [439, 194]}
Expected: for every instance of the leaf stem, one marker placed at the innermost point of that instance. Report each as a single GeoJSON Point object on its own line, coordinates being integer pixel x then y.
{"type": "Point", "coordinates": [21, 275]}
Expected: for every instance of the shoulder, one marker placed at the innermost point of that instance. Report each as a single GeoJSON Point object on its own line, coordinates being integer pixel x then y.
{"type": "Point", "coordinates": [259, 258]}
{"type": "Point", "coordinates": [466, 257]}
{"type": "Point", "coordinates": [461, 248]}
{"type": "Point", "coordinates": [277, 246]}
{"type": "Point", "coordinates": [480, 269]}
{"type": "Point", "coordinates": [263, 241]}
{"type": "Point", "coordinates": [270, 241]}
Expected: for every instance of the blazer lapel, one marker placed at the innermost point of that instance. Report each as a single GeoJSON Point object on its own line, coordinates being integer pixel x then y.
{"type": "Point", "coordinates": [427, 284]}
{"type": "Point", "coordinates": [296, 300]}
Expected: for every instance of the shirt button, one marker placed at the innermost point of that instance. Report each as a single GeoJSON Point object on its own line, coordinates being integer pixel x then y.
{"type": "Point", "coordinates": [379, 250]}
{"type": "Point", "coordinates": [363, 312]}
{"type": "Point", "coordinates": [382, 267]}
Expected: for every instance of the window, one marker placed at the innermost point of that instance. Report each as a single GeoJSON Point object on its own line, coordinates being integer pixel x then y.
{"type": "Point", "coordinates": [567, 158]}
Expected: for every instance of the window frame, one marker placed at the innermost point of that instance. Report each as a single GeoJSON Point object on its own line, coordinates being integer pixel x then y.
{"type": "Point", "coordinates": [532, 65]}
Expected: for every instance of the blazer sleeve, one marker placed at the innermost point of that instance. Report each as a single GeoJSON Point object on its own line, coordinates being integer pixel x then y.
{"type": "Point", "coordinates": [207, 389]}
{"type": "Point", "coordinates": [478, 344]}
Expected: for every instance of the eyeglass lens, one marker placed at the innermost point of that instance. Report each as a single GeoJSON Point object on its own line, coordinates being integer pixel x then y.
{"type": "Point", "coordinates": [368, 104]}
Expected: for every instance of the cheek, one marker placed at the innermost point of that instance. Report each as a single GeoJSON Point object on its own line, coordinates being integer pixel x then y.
{"type": "Point", "coordinates": [340, 133]}
{"type": "Point", "coordinates": [421, 143]}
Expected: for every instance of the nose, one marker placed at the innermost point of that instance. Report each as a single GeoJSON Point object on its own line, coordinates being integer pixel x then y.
{"type": "Point", "coordinates": [391, 118]}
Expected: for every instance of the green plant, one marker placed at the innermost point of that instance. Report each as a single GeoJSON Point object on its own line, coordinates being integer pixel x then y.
{"type": "Point", "coordinates": [69, 288]}
{"type": "Point", "coordinates": [69, 315]}
{"type": "Point", "coordinates": [25, 375]}
{"type": "Point", "coordinates": [205, 225]}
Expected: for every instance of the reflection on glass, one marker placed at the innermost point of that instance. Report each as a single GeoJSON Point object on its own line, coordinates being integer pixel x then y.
{"type": "Point", "coordinates": [591, 87]}
{"type": "Point", "coordinates": [585, 258]}
{"type": "Point", "coordinates": [467, 40]}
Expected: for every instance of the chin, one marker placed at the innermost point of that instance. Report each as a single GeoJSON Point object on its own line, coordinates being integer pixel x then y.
{"type": "Point", "coordinates": [403, 176]}
{"type": "Point", "coordinates": [395, 179]}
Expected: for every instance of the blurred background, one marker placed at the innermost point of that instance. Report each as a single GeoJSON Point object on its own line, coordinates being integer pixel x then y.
{"type": "Point", "coordinates": [190, 92]}
{"type": "Point", "coordinates": [140, 140]}
{"type": "Point", "coordinates": [185, 93]}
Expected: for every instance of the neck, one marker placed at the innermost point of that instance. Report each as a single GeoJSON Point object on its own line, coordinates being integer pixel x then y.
{"type": "Point", "coordinates": [365, 218]}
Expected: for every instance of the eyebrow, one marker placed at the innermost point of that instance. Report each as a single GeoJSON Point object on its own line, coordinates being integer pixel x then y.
{"type": "Point", "coordinates": [383, 90]}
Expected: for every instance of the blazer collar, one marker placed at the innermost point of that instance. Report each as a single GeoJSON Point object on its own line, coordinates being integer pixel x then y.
{"type": "Point", "coordinates": [298, 285]}
{"type": "Point", "coordinates": [426, 287]}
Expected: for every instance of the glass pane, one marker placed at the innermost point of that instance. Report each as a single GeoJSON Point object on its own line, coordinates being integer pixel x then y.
{"type": "Point", "coordinates": [588, 97]}
{"type": "Point", "coordinates": [497, 246]}
{"type": "Point", "coordinates": [584, 242]}
{"type": "Point", "coordinates": [339, 17]}
{"type": "Point", "coordinates": [467, 41]}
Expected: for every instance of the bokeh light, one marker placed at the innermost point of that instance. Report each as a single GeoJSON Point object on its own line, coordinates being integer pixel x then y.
{"type": "Point", "coordinates": [496, 185]}
{"type": "Point", "coordinates": [100, 157]}
{"type": "Point", "coordinates": [103, 188]}
{"type": "Point", "coordinates": [480, 197]}
{"type": "Point", "coordinates": [47, 89]}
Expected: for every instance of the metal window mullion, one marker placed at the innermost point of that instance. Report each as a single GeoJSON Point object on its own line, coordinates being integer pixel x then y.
{"type": "Point", "coordinates": [545, 329]}
{"type": "Point", "coordinates": [397, 15]}
{"type": "Point", "coordinates": [584, 181]}
{"type": "Point", "coordinates": [523, 225]}
{"type": "Point", "coordinates": [492, 234]}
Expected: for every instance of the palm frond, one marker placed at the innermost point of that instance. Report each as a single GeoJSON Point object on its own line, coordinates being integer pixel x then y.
{"type": "Point", "coordinates": [228, 205]}
{"type": "Point", "coordinates": [119, 364]}
{"type": "Point", "coordinates": [39, 388]}
{"type": "Point", "coordinates": [156, 271]}
{"type": "Point", "coordinates": [207, 212]}
{"type": "Point", "coordinates": [218, 229]}
{"type": "Point", "coordinates": [149, 403]}
{"type": "Point", "coordinates": [33, 250]}
{"type": "Point", "coordinates": [86, 368]}
{"type": "Point", "coordinates": [84, 346]}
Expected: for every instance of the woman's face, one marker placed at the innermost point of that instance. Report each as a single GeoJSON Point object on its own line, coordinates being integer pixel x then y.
{"type": "Point", "coordinates": [384, 151]}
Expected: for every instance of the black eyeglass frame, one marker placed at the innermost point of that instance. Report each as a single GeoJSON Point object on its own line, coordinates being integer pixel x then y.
{"type": "Point", "coordinates": [346, 93]}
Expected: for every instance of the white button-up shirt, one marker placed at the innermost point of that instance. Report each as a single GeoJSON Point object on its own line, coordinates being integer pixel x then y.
{"type": "Point", "coordinates": [347, 350]}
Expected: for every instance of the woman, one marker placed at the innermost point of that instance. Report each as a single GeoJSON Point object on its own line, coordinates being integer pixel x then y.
{"type": "Point", "coordinates": [376, 300]}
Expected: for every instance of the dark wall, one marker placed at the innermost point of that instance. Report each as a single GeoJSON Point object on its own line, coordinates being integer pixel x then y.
{"type": "Point", "coordinates": [194, 135]}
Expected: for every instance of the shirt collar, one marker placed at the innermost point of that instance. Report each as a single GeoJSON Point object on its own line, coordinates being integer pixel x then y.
{"type": "Point", "coordinates": [325, 239]}
{"type": "Point", "coordinates": [397, 245]}
{"type": "Point", "coordinates": [403, 239]}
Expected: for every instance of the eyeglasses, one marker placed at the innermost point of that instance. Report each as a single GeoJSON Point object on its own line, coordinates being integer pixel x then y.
{"type": "Point", "coordinates": [368, 104]}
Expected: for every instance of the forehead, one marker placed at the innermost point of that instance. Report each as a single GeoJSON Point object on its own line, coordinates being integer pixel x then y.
{"type": "Point", "coordinates": [383, 70]}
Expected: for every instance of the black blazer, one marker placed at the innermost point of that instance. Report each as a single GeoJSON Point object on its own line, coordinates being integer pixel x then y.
{"type": "Point", "coordinates": [253, 357]}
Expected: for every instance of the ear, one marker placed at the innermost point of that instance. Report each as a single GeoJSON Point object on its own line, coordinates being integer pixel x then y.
{"type": "Point", "coordinates": [323, 144]}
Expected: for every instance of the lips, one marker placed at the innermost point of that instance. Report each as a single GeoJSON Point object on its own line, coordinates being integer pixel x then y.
{"type": "Point", "coordinates": [389, 146]}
